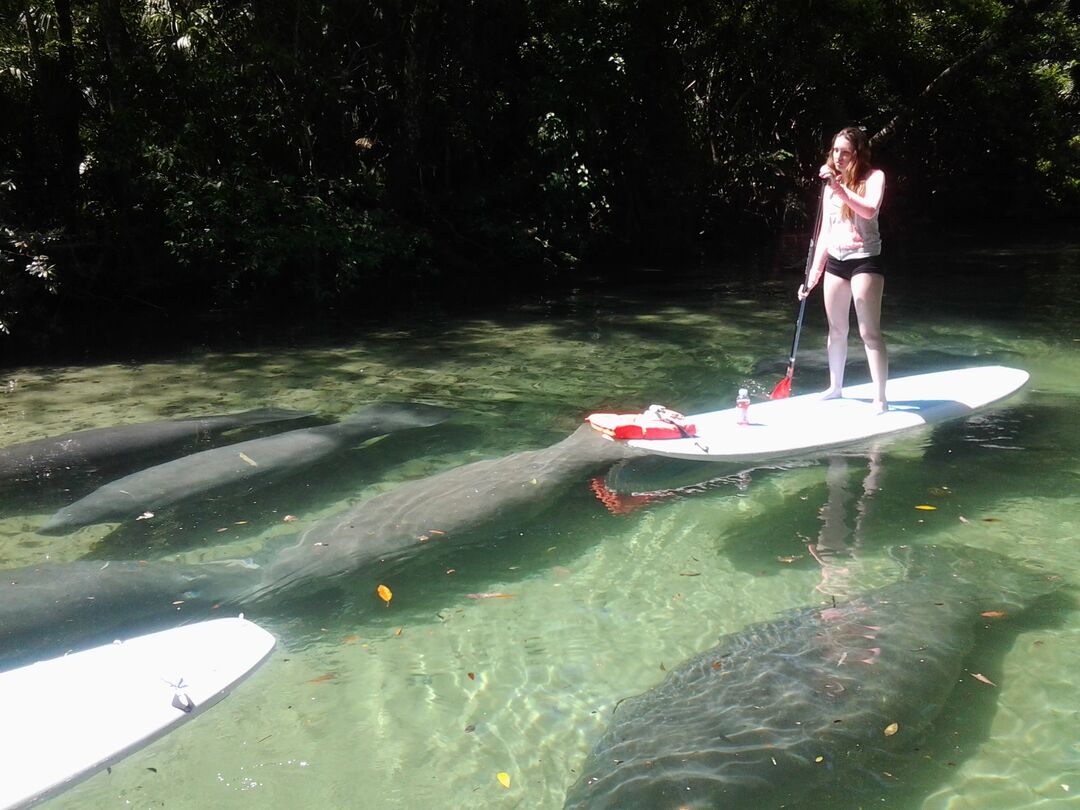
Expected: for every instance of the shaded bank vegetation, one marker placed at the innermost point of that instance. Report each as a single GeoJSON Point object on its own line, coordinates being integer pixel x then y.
{"type": "Point", "coordinates": [165, 163]}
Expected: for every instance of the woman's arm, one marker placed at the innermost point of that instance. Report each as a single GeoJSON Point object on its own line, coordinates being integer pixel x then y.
{"type": "Point", "coordinates": [867, 204]}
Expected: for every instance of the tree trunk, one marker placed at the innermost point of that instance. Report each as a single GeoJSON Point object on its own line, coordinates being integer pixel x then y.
{"type": "Point", "coordinates": [67, 121]}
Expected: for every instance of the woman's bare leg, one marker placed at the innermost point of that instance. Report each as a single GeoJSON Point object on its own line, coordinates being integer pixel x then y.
{"type": "Point", "coordinates": [837, 294]}
{"type": "Point", "coordinates": [867, 290]}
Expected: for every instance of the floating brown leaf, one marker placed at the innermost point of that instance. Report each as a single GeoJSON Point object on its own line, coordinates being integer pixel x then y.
{"type": "Point", "coordinates": [979, 677]}
{"type": "Point", "coordinates": [993, 614]}
{"type": "Point", "coordinates": [891, 729]}
{"type": "Point", "coordinates": [489, 595]}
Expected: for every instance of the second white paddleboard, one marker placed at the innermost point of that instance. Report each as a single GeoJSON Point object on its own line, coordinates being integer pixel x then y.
{"type": "Point", "coordinates": [63, 719]}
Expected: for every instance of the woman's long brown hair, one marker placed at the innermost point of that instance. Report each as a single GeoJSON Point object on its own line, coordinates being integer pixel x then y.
{"type": "Point", "coordinates": [854, 177]}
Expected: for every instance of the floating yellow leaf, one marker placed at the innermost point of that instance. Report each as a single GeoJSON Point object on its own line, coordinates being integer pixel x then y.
{"type": "Point", "coordinates": [385, 594]}
{"type": "Point", "coordinates": [489, 595]}
{"type": "Point", "coordinates": [891, 729]}
{"type": "Point", "coordinates": [244, 457]}
{"type": "Point", "coordinates": [926, 507]}
{"type": "Point", "coordinates": [504, 778]}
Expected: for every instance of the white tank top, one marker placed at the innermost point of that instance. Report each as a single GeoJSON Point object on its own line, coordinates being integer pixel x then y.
{"type": "Point", "coordinates": [854, 238]}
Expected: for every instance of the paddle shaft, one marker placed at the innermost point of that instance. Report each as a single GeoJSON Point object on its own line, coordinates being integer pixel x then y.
{"type": "Point", "coordinates": [806, 280]}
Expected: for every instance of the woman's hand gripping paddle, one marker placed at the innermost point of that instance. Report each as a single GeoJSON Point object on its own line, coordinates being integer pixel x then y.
{"type": "Point", "coordinates": [783, 388]}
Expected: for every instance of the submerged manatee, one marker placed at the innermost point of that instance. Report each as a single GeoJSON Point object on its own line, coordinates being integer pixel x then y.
{"type": "Point", "coordinates": [60, 603]}
{"type": "Point", "coordinates": [777, 714]}
{"type": "Point", "coordinates": [254, 462]}
{"type": "Point", "coordinates": [435, 511]}
{"type": "Point", "coordinates": [128, 447]}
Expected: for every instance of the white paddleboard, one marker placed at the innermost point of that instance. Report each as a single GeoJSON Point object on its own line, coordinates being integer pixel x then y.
{"type": "Point", "coordinates": [784, 427]}
{"type": "Point", "coordinates": [63, 719]}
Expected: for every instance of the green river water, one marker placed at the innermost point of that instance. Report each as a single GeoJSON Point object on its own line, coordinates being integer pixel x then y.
{"type": "Point", "coordinates": [423, 702]}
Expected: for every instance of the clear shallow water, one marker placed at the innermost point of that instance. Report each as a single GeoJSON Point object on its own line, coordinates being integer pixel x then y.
{"type": "Point", "coordinates": [424, 702]}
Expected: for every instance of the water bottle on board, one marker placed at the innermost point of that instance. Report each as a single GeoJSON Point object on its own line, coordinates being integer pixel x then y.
{"type": "Point", "coordinates": [742, 406]}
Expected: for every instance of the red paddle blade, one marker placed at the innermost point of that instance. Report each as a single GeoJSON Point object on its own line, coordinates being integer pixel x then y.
{"type": "Point", "coordinates": [782, 390]}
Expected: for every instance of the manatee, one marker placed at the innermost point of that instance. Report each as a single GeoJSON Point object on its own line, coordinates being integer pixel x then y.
{"type": "Point", "coordinates": [255, 462]}
{"type": "Point", "coordinates": [51, 603]}
{"type": "Point", "coordinates": [786, 712]}
{"type": "Point", "coordinates": [129, 447]}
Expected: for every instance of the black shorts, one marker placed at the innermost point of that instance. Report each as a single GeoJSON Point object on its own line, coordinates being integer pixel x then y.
{"type": "Point", "coordinates": [852, 267]}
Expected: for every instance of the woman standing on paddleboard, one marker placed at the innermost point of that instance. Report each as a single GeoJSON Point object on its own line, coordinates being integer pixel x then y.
{"type": "Point", "coordinates": [848, 256]}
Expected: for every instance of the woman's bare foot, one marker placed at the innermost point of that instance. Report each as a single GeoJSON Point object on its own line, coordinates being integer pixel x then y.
{"type": "Point", "coordinates": [832, 393]}
{"type": "Point", "coordinates": [880, 406]}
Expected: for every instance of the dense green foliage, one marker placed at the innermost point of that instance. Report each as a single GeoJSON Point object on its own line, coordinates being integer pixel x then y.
{"type": "Point", "coordinates": [164, 159]}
